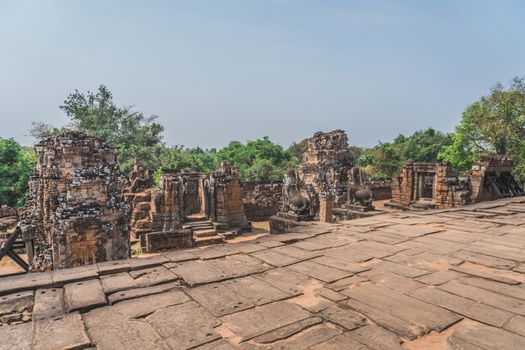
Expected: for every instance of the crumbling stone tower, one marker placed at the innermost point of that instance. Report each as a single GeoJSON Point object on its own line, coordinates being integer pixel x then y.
{"type": "Point", "coordinates": [76, 214]}
{"type": "Point", "coordinates": [325, 165]}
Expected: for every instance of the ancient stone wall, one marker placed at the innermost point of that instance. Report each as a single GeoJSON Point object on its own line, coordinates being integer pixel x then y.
{"type": "Point", "coordinates": [261, 199]}
{"type": "Point", "coordinates": [381, 189]}
{"type": "Point", "coordinates": [225, 197]}
{"type": "Point", "coordinates": [76, 214]}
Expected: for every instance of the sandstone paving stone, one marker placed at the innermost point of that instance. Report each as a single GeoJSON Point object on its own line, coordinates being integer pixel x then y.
{"type": "Point", "coordinates": [67, 332]}
{"type": "Point", "coordinates": [296, 253]}
{"type": "Point", "coordinates": [411, 230]}
{"type": "Point", "coordinates": [376, 338]}
{"type": "Point", "coordinates": [257, 321]}
{"type": "Point", "coordinates": [341, 264]}
{"type": "Point", "coordinates": [127, 334]}
{"type": "Point", "coordinates": [487, 297]}
{"type": "Point", "coordinates": [468, 308]}
{"type": "Point", "coordinates": [219, 299]}
{"type": "Point", "coordinates": [179, 255]}
{"type": "Point", "coordinates": [18, 337]}
{"type": "Point", "coordinates": [83, 296]}
{"type": "Point", "coordinates": [117, 282]}
{"type": "Point", "coordinates": [392, 323]}
{"type": "Point", "coordinates": [197, 272]}
{"type": "Point", "coordinates": [275, 259]}
{"type": "Point", "coordinates": [486, 338]}
{"type": "Point", "coordinates": [516, 291]}
{"type": "Point", "coordinates": [344, 317]}
{"type": "Point", "coordinates": [343, 341]}
{"type": "Point", "coordinates": [310, 337]}
{"type": "Point", "coordinates": [256, 291]}
{"type": "Point", "coordinates": [439, 277]}
{"type": "Point", "coordinates": [318, 271]}
{"type": "Point", "coordinates": [19, 283]}
{"type": "Point", "coordinates": [285, 279]}
{"type": "Point", "coordinates": [330, 294]}
{"type": "Point", "coordinates": [497, 251]}
{"type": "Point", "coordinates": [516, 325]}
{"type": "Point", "coordinates": [152, 276]}
{"type": "Point", "coordinates": [217, 345]}
{"type": "Point", "coordinates": [112, 267]}
{"type": "Point", "coordinates": [49, 303]}
{"type": "Point", "coordinates": [134, 308]}
{"type": "Point", "coordinates": [141, 292]}
{"type": "Point", "coordinates": [392, 280]}
{"type": "Point", "coordinates": [400, 269]}
{"type": "Point", "coordinates": [485, 275]}
{"type": "Point", "coordinates": [486, 260]}
{"type": "Point", "coordinates": [425, 260]}
{"type": "Point", "coordinates": [16, 302]}
{"type": "Point", "coordinates": [74, 274]}
{"type": "Point", "coordinates": [185, 325]}
{"type": "Point", "coordinates": [415, 312]}
{"type": "Point", "coordinates": [347, 282]}
{"type": "Point", "coordinates": [144, 263]}
{"type": "Point", "coordinates": [288, 330]}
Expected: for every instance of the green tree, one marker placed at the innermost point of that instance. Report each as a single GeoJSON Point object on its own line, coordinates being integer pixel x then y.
{"type": "Point", "coordinates": [495, 124]}
{"type": "Point", "coordinates": [16, 165]}
{"type": "Point", "coordinates": [131, 133]}
{"type": "Point", "coordinates": [259, 160]}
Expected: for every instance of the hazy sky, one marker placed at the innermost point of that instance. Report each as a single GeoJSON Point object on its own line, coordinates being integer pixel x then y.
{"type": "Point", "coordinates": [215, 71]}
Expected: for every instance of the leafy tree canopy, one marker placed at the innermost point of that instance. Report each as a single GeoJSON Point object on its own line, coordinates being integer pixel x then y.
{"type": "Point", "coordinates": [495, 124]}
{"type": "Point", "coordinates": [131, 133]}
{"type": "Point", "coordinates": [16, 165]}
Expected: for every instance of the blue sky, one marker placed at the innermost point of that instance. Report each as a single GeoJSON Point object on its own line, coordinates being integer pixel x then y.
{"type": "Point", "coordinates": [216, 71]}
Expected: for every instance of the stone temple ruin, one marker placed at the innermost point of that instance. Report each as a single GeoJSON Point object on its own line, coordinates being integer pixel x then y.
{"type": "Point", "coordinates": [189, 208]}
{"type": "Point", "coordinates": [325, 183]}
{"type": "Point", "coordinates": [75, 213]}
{"type": "Point", "coordinates": [434, 185]}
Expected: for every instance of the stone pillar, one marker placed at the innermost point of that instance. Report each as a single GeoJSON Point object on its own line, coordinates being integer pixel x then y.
{"type": "Point", "coordinates": [326, 204]}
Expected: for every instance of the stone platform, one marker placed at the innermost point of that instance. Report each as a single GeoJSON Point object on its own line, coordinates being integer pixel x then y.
{"type": "Point", "coordinates": [439, 279]}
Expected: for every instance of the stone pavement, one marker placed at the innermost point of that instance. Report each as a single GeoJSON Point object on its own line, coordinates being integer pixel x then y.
{"type": "Point", "coordinates": [447, 279]}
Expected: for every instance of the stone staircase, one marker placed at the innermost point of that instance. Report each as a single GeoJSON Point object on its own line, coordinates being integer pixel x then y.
{"type": "Point", "coordinates": [204, 233]}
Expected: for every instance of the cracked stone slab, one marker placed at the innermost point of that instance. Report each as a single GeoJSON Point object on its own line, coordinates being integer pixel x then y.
{"type": "Point", "coordinates": [185, 326]}
{"type": "Point", "coordinates": [346, 318]}
{"type": "Point", "coordinates": [468, 308]}
{"type": "Point", "coordinates": [134, 308]}
{"type": "Point", "coordinates": [310, 337]}
{"type": "Point", "coordinates": [288, 330]}
{"type": "Point", "coordinates": [257, 321]}
{"type": "Point", "coordinates": [217, 345]}
{"type": "Point", "coordinates": [141, 292]}
{"type": "Point", "coordinates": [84, 295]}
{"type": "Point", "coordinates": [127, 334]}
{"type": "Point", "coordinates": [321, 272]}
{"type": "Point", "coordinates": [255, 290]}
{"type": "Point", "coordinates": [144, 263]}
{"type": "Point", "coordinates": [18, 336]}
{"type": "Point", "coordinates": [343, 341]}
{"type": "Point", "coordinates": [74, 274]}
{"type": "Point", "coordinates": [25, 282]}
{"type": "Point", "coordinates": [275, 259]}
{"type": "Point", "coordinates": [67, 332]}
{"type": "Point", "coordinates": [49, 303]}
{"type": "Point", "coordinates": [153, 276]}
{"type": "Point", "coordinates": [111, 267]}
{"type": "Point", "coordinates": [16, 302]}
{"type": "Point", "coordinates": [117, 282]}
{"type": "Point", "coordinates": [398, 312]}
{"type": "Point", "coordinates": [198, 272]}
{"type": "Point", "coordinates": [219, 299]}
{"type": "Point", "coordinates": [376, 338]}
{"type": "Point", "coordinates": [486, 338]}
